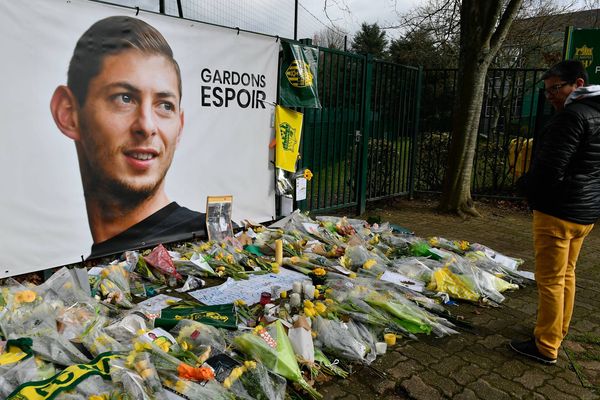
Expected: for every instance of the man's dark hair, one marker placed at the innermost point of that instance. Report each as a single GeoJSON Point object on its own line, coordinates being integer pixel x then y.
{"type": "Point", "coordinates": [568, 71]}
{"type": "Point", "coordinates": [110, 36]}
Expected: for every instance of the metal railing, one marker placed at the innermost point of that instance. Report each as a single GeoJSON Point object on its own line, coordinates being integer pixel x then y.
{"type": "Point", "coordinates": [510, 116]}
{"type": "Point", "coordinates": [360, 144]}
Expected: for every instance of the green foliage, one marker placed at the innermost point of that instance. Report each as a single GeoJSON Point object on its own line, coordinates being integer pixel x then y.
{"type": "Point", "coordinates": [370, 39]}
{"type": "Point", "coordinates": [419, 47]}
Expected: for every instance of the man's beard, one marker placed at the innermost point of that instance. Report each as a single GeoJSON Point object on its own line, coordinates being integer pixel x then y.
{"type": "Point", "coordinates": [114, 192]}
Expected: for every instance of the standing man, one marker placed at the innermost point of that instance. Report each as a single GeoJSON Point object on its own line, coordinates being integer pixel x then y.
{"type": "Point", "coordinates": [563, 189]}
{"type": "Point", "coordinates": [122, 108]}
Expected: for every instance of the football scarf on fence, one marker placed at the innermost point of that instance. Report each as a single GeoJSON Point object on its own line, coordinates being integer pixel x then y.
{"type": "Point", "coordinates": [298, 76]}
{"type": "Point", "coordinates": [288, 128]}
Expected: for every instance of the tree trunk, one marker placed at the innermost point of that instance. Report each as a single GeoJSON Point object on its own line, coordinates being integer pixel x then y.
{"type": "Point", "coordinates": [483, 27]}
{"type": "Point", "coordinates": [456, 195]}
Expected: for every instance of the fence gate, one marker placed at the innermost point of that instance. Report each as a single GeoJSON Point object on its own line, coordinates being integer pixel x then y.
{"type": "Point", "coordinates": [360, 144]}
{"type": "Point", "coordinates": [332, 135]}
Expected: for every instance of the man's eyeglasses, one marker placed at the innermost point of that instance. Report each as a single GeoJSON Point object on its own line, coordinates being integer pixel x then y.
{"type": "Point", "coordinates": [553, 90]}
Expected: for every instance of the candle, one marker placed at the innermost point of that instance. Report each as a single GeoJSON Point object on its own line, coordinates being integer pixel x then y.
{"type": "Point", "coordinates": [279, 251]}
{"type": "Point", "coordinates": [297, 287]}
{"type": "Point", "coordinates": [265, 298]}
{"type": "Point", "coordinates": [381, 347]}
{"type": "Point", "coordinates": [309, 291]}
{"type": "Point", "coordinates": [390, 339]}
{"type": "Point", "coordinates": [295, 299]}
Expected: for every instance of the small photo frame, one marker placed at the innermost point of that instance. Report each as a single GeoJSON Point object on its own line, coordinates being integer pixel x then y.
{"type": "Point", "coordinates": [218, 217]}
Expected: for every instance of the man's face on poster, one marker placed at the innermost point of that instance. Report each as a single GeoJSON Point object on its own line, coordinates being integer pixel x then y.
{"type": "Point", "coordinates": [130, 123]}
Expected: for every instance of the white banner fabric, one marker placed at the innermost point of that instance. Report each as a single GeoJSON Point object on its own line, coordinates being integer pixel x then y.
{"type": "Point", "coordinates": [223, 148]}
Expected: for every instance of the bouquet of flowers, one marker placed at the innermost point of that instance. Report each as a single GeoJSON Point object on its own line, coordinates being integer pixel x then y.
{"type": "Point", "coordinates": [141, 383]}
{"type": "Point", "coordinates": [252, 380]}
{"type": "Point", "coordinates": [96, 340]}
{"type": "Point", "coordinates": [210, 390]}
{"type": "Point", "coordinates": [113, 286]}
{"type": "Point", "coordinates": [330, 368]}
{"type": "Point", "coordinates": [202, 340]}
{"type": "Point", "coordinates": [455, 246]}
{"type": "Point", "coordinates": [165, 362]}
{"type": "Point", "coordinates": [342, 340]}
{"type": "Point", "coordinates": [274, 350]}
{"type": "Point", "coordinates": [161, 261]}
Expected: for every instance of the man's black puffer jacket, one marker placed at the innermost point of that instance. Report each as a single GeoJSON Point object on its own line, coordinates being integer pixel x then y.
{"type": "Point", "coordinates": [564, 178]}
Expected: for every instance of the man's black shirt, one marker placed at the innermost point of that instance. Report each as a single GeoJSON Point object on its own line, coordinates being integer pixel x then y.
{"type": "Point", "coordinates": [169, 224]}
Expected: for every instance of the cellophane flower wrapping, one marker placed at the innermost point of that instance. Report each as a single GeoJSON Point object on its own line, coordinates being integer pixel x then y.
{"type": "Point", "coordinates": [341, 340]}
{"type": "Point", "coordinates": [27, 370]}
{"type": "Point", "coordinates": [97, 341]}
{"type": "Point", "coordinates": [203, 340]}
{"type": "Point", "coordinates": [253, 381]}
{"type": "Point", "coordinates": [34, 312]}
{"type": "Point", "coordinates": [131, 383]}
{"type": "Point", "coordinates": [113, 286]}
{"type": "Point", "coordinates": [495, 268]}
{"type": "Point", "coordinates": [279, 359]}
{"type": "Point", "coordinates": [460, 278]}
{"type": "Point", "coordinates": [210, 390]}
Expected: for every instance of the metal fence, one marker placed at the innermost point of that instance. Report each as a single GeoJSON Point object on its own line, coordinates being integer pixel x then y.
{"type": "Point", "coordinates": [360, 144]}
{"type": "Point", "coordinates": [513, 110]}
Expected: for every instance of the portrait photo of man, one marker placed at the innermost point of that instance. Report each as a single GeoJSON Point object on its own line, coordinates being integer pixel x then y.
{"type": "Point", "coordinates": [121, 107]}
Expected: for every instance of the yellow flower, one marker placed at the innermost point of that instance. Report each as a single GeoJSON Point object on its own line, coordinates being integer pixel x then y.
{"type": "Point", "coordinates": [98, 397]}
{"type": "Point", "coordinates": [294, 259]}
{"type": "Point", "coordinates": [320, 308]}
{"type": "Point", "coordinates": [345, 262]}
{"type": "Point", "coordinates": [313, 334]}
{"type": "Point", "coordinates": [352, 275]}
{"type": "Point", "coordinates": [308, 174]}
{"type": "Point", "coordinates": [141, 347]}
{"type": "Point", "coordinates": [309, 312]}
{"type": "Point", "coordinates": [434, 241]}
{"type": "Point", "coordinates": [204, 246]}
{"type": "Point", "coordinates": [239, 302]}
{"type": "Point", "coordinates": [375, 239]}
{"type": "Point", "coordinates": [181, 386]}
{"type": "Point", "coordinates": [309, 304]}
{"type": "Point", "coordinates": [319, 271]}
{"type": "Point", "coordinates": [258, 328]}
{"type": "Point", "coordinates": [230, 259]}
{"type": "Point", "coordinates": [369, 264]}
{"type": "Point", "coordinates": [463, 245]}
{"type": "Point", "coordinates": [329, 291]}
{"type": "Point", "coordinates": [250, 364]}
{"type": "Point", "coordinates": [329, 302]}
{"type": "Point", "coordinates": [317, 294]}
{"type": "Point", "coordinates": [25, 296]}
{"type": "Point", "coordinates": [283, 294]}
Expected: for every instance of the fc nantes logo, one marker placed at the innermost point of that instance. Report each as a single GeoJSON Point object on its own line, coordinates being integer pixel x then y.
{"type": "Point", "coordinates": [299, 75]}
{"type": "Point", "coordinates": [288, 136]}
{"type": "Point", "coordinates": [585, 55]}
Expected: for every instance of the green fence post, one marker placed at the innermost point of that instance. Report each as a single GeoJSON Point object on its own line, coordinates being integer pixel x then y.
{"type": "Point", "coordinates": [366, 125]}
{"type": "Point", "coordinates": [415, 136]}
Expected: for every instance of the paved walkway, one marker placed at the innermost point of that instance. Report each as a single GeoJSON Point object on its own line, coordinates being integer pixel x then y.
{"type": "Point", "coordinates": [478, 364]}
